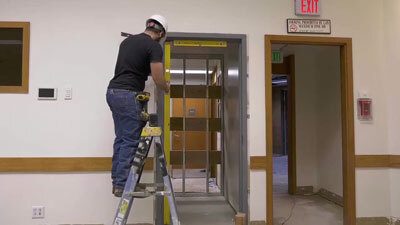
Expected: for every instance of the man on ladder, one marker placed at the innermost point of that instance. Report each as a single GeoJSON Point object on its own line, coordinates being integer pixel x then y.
{"type": "Point", "coordinates": [139, 56]}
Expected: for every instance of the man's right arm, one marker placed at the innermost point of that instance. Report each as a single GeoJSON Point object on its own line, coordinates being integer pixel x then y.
{"type": "Point", "coordinates": [158, 76]}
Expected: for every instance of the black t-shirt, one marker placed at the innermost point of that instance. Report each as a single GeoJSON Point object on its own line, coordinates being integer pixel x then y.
{"type": "Point", "coordinates": [133, 64]}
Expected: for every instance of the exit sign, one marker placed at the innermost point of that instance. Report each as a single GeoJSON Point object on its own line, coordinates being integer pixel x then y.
{"type": "Point", "coordinates": [308, 7]}
{"type": "Point", "coordinates": [277, 57]}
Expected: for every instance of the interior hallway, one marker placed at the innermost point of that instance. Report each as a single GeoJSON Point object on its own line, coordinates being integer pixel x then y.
{"type": "Point", "coordinates": [300, 210]}
{"type": "Point", "coordinates": [204, 210]}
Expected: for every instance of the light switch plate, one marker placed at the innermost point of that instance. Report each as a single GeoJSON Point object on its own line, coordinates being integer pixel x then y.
{"type": "Point", "coordinates": [68, 93]}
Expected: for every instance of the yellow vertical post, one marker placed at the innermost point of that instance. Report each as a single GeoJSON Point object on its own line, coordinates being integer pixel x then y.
{"type": "Point", "coordinates": [167, 136]}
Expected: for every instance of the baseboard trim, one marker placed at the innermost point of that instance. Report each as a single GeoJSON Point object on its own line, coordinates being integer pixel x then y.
{"type": "Point", "coordinates": [330, 196]}
{"type": "Point", "coordinates": [104, 224]}
{"type": "Point", "coordinates": [378, 221]}
{"type": "Point", "coordinates": [257, 222]}
{"type": "Point", "coordinates": [395, 221]}
{"type": "Point", "coordinates": [377, 161]}
{"type": "Point", "coordinates": [360, 221]}
{"type": "Point", "coordinates": [240, 219]}
{"type": "Point", "coordinates": [304, 190]}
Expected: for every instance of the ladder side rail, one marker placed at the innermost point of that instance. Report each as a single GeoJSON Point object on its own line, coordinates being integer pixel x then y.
{"type": "Point", "coordinates": [167, 184]}
{"type": "Point", "coordinates": [134, 176]}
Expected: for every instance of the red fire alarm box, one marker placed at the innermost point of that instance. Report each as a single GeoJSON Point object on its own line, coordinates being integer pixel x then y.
{"type": "Point", "coordinates": [364, 109]}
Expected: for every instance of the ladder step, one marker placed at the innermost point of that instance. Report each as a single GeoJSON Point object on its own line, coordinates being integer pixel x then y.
{"type": "Point", "coordinates": [146, 194]}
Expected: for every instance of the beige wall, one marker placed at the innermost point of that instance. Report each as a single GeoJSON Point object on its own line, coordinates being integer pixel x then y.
{"type": "Point", "coordinates": [391, 73]}
{"type": "Point", "coordinates": [74, 43]}
{"type": "Point", "coordinates": [329, 118]}
{"type": "Point", "coordinates": [306, 114]}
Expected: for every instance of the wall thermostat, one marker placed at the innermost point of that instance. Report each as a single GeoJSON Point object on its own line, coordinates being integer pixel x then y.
{"type": "Point", "coordinates": [47, 94]}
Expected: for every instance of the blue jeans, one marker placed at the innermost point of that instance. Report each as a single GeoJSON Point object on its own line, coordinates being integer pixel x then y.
{"type": "Point", "coordinates": [126, 111]}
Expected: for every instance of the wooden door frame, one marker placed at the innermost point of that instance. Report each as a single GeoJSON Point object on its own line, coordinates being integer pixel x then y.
{"type": "Point", "coordinates": [347, 108]}
{"type": "Point", "coordinates": [288, 68]}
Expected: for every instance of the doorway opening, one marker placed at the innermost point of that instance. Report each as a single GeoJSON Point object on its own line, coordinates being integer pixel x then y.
{"type": "Point", "coordinates": [310, 131]}
{"type": "Point", "coordinates": [206, 111]}
{"type": "Point", "coordinates": [284, 124]}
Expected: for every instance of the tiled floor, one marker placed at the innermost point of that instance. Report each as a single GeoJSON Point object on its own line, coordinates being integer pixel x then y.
{"type": "Point", "coordinates": [300, 210]}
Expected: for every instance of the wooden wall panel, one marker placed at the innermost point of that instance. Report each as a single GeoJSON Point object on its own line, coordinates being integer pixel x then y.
{"type": "Point", "coordinates": [104, 163]}
{"type": "Point", "coordinates": [378, 161]}
{"type": "Point", "coordinates": [395, 161]}
{"type": "Point", "coordinates": [372, 161]}
{"type": "Point", "coordinates": [85, 164]}
{"type": "Point", "coordinates": [361, 161]}
{"type": "Point", "coordinates": [258, 163]}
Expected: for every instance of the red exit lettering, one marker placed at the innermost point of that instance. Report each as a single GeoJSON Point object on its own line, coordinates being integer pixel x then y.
{"type": "Point", "coordinates": [309, 6]}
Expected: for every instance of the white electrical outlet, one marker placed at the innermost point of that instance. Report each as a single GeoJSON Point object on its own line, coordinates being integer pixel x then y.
{"type": "Point", "coordinates": [37, 212]}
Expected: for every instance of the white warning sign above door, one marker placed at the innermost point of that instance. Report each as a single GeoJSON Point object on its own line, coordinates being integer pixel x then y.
{"type": "Point", "coordinates": [309, 26]}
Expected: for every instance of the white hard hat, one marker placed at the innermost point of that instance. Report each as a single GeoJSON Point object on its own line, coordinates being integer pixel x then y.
{"type": "Point", "coordinates": [160, 19]}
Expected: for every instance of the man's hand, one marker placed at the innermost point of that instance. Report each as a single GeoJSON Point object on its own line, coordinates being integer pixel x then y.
{"type": "Point", "coordinates": [168, 88]}
{"type": "Point", "coordinates": [158, 76]}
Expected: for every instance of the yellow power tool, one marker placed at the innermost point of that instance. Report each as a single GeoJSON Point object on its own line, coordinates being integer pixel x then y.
{"type": "Point", "coordinates": [144, 98]}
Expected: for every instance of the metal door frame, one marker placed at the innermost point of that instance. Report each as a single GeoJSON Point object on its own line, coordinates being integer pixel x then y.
{"type": "Point", "coordinates": [243, 173]}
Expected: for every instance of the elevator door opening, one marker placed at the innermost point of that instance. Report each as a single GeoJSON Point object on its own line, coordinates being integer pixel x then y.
{"type": "Point", "coordinates": [196, 97]}
{"type": "Point", "coordinates": [207, 104]}
{"type": "Point", "coordinates": [206, 110]}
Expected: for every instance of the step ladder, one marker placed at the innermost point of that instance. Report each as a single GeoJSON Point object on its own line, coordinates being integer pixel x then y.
{"type": "Point", "coordinates": [133, 189]}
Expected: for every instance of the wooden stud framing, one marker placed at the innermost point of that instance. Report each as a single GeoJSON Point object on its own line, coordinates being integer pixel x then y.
{"type": "Point", "coordinates": [196, 91]}
{"type": "Point", "coordinates": [195, 158]}
{"type": "Point", "coordinates": [195, 124]}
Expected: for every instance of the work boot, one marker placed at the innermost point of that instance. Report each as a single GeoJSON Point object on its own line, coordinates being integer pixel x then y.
{"type": "Point", "coordinates": [118, 192]}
